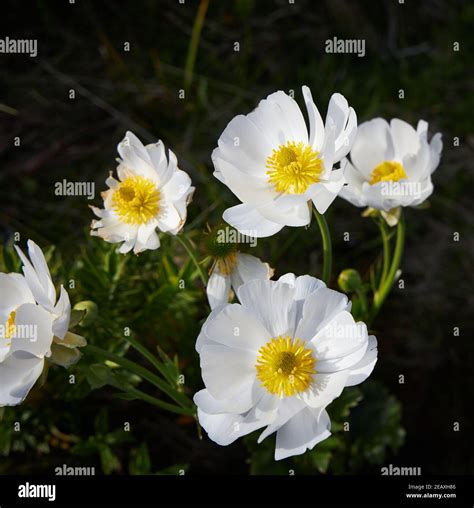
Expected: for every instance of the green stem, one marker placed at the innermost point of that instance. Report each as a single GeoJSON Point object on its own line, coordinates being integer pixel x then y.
{"type": "Point", "coordinates": [386, 284]}
{"type": "Point", "coordinates": [363, 300]}
{"type": "Point", "coordinates": [327, 246]}
{"type": "Point", "coordinates": [194, 43]}
{"type": "Point", "coordinates": [140, 371]}
{"type": "Point", "coordinates": [189, 249]}
{"type": "Point", "coordinates": [152, 359]}
{"type": "Point", "coordinates": [386, 249]}
{"type": "Point", "coordinates": [159, 403]}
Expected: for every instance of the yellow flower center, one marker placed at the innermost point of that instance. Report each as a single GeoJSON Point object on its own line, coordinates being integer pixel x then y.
{"type": "Point", "coordinates": [137, 200]}
{"type": "Point", "coordinates": [285, 366]}
{"type": "Point", "coordinates": [227, 263]}
{"type": "Point", "coordinates": [388, 171]}
{"type": "Point", "coordinates": [10, 327]}
{"type": "Point", "coordinates": [294, 167]}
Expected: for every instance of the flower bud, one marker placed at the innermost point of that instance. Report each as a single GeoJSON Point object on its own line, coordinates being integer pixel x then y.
{"type": "Point", "coordinates": [349, 280]}
{"type": "Point", "coordinates": [91, 310]}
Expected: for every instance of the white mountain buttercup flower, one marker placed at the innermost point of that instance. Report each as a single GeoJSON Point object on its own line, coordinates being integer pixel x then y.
{"type": "Point", "coordinates": [277, 360]}
{"type": "Point", "coordinates": [33, 326]}
{"type": "Point", "coordinates": [151, 193]}
{"type": "Point", "coordinates": [275, 167]}
{"type": "Point", "coordinates": [391, 165]}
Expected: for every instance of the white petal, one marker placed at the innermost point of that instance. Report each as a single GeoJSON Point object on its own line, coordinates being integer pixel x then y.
{"type": "Point", "coordinates": [316, 137]}
{"type": "Point", "coordinates": [168, 218]}
{"type": "Point", "coordinates": [325, 388]}
{"type": "Point", "coordinates": [14, 291]}
{"type": "Point", "coordinates": [337, 343]}
{"type": "Point", "coordinates": [345, 141]}
{"type": "Point", "coordinates": [319, 309]}
{"type": "Point", "coordinates": [405, 138]}
{"type": "Point", "coordinates": [272, 303]}
{"type": "Point", "coordinates": [177, 186]}
{"type": "Point", "coordinates": [249, 221]}
{"type": "Point", "coordinates": [203, 338]}
{"type": "Point", "coordinates": [286, 410]}
{"type": "Point", "coordinates": [362, 370]}
{"type": "Point", "coordinates": [288, 210]}
{"type": "Point", "coordinates": [237, 327]}
{"type": "Point", "coordinates": [291, 118]}
{"type": "Point", "coordinates": [243, 145]}
{"type": "Point", "coordinates": [303, 432]}
{"type": "Point", "coordinates": [373, 144]}
{"type": "Point", "coordinates": [33, 330]}
{"type": "Point", "coordinates": [240, 402]}
{"type": "Point", "coordinates": [352, 192]}
{"type": "Point", "coordinates": [17, 377]}
{"type": "Point", "coordinates": [218, 288]}
{"type": "Point", "coordinates": [226, 371]}
{"type": "Point", "coordinates": [63, 311]}
{"type": "Point", "coordinates": [345, 121]}
{"type": "Point", "coordinates": [304, 286]}
{"type": "Point", "coordinates": [37, 276]}
{"type": "Point", "coordinates": [146, 239]}
{"type": "Point", "coordinates": [157, 155]}
{"type": "Point", "coordinates": [224, 429]}
{"type": "Point", "coordinates": [135, 157]}
{"type": "Point", "coordinates": [248, 188]}
{"type": "Point", "coordinates": [325, 193]}
{"type": "Point", "coordinates": [248, 268]}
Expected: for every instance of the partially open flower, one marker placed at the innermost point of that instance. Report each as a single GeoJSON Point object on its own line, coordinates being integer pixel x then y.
{"type": "Point", "coordinates": [230, 267]}
{"type": "Point", "coordinates": [277, 360]}
{"type": "Point", "coordinates": [151, 193]}
{"type": "Point", "coordinates": [391, 166]}
{"type": "Point", "coordinates": [33, 327]}
{"type": "Point", "coordinates": [270, 161]}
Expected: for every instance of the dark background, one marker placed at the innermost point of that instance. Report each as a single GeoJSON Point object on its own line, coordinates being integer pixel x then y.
{"type": "Point", "coordinates": [409, 46]}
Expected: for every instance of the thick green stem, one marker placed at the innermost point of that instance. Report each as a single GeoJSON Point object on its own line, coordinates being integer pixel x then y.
{"type": "Point", "coordinates": [191, 253]}
{"type": "Point", "coordinates": [386, 249]}
{"type": "Point", "coordinates": [363, 301]}
{"type": "Point", "coordinates": [327, 246]}
{"type": "Point", "coordinates": [386, 285]}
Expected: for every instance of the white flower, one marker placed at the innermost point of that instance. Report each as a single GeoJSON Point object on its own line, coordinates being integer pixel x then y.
{"type": "Point", "coordinates": [391, 165]}
{"type": "Point", "coordinates": [151, 193]}
{"type": "Point", "coordinates": [33, 326]}
{"type": "Point", "coordinates": [232, 271]}
{"type": "Point", "coordinates": [275, 167]}
{"type": "Point", "coordinates": [277, 360]}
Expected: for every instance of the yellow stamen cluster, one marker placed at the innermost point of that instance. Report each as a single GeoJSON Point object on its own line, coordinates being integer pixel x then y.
{"type": "Point", "coordinates": [136, 200]}
{"type": "Point", "coordinates": [294, 167]}
{"type": "Point", "coordinates": [388, 171]}
{"type": "Point", "coordinates": [285, 366]}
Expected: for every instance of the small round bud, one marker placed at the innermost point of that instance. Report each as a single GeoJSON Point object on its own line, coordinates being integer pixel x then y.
{"type": "Point", "coordinates": [349, 280]}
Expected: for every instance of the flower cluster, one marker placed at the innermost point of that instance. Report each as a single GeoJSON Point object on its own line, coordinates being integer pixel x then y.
{"type": "Point", "coordinates": [274, 354]}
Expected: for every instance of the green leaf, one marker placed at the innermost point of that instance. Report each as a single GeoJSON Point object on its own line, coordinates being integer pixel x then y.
{"type": "Point", "coordinates": [108, 460]}
{"type": "Point", "coordinates": [140, 462]}
{"type": "Point", "coordinates": [101, 423]}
